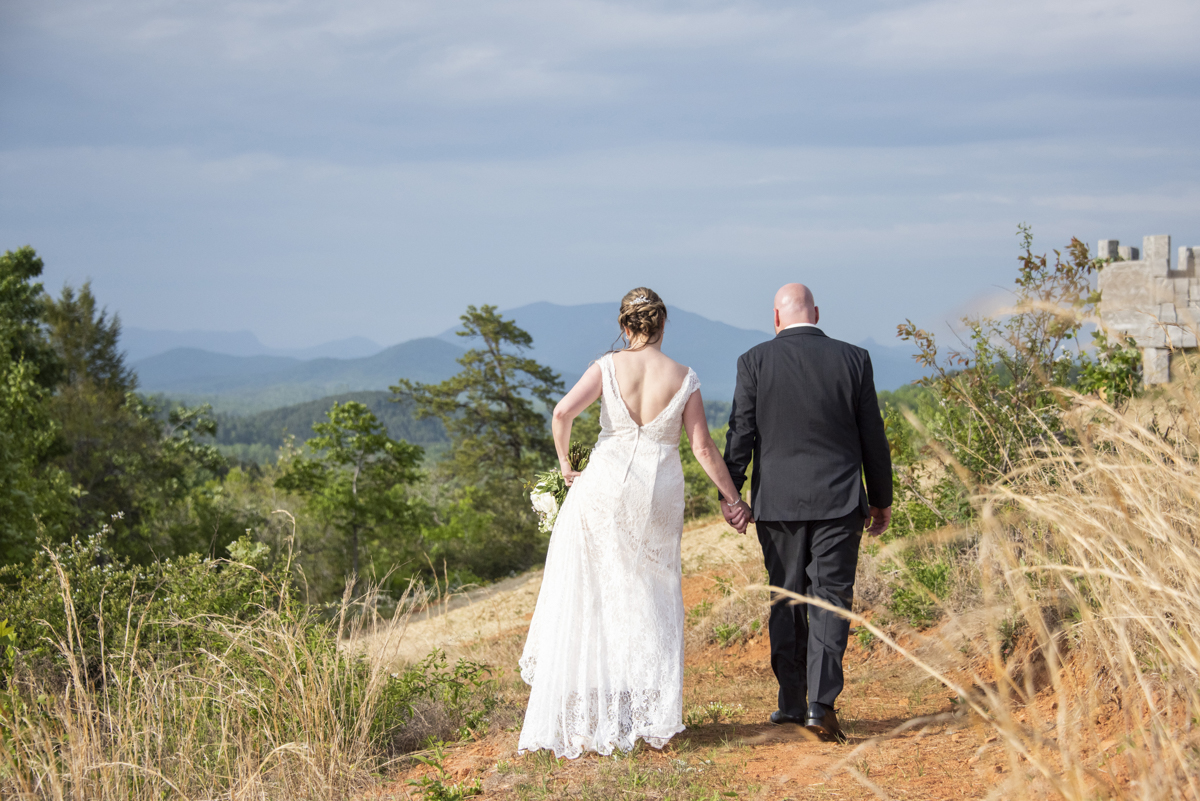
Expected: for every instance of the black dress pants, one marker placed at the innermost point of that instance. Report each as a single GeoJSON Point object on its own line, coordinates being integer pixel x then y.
{"type": "Point", "coordinates": [817, 558]}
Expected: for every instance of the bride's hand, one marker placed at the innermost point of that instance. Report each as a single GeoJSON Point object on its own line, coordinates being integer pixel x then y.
{"type": "Point", "coordinates": [569, 475]}
{"type": "Point", "coordinates": [737, 516]}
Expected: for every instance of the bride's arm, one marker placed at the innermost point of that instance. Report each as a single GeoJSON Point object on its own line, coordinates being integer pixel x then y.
{"type": "Point", "coordinates": [581, 396]}
{"type": "Point", "coordinates": [696, 425]}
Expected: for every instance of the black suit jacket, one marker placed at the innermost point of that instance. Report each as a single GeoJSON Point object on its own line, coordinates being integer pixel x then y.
{"type": "Point", "coordinates": [805, 409]}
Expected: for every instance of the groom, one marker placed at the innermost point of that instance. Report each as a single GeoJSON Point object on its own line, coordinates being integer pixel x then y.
{"type": "Point", "coordinates": [805, 410]}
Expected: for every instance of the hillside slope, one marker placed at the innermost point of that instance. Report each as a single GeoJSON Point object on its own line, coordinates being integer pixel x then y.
{"type": "Point", "coordinates": [566, 338]}
{"type": "Point", "coordinates": [249, 384]}
{"type": "Point", "coordinates": [270, 427]}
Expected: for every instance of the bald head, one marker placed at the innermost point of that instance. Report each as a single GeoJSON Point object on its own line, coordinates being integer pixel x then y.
{"type": "Point", "coordinates": [794, 304]}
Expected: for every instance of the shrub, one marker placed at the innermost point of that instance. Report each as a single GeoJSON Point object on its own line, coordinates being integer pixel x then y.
{"type": "Point", "coordinates": [920, 588]}
{"type": "Point", "coordinates": [114, 600]}
{"type": "Point", "coordinates": [225, 690]}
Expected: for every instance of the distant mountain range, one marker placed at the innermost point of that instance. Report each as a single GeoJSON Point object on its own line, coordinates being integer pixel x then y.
{"type": "Point", "coordinates": [247, 384]}
{"type": "Point", "coordinates": [142, 343]}
{"type": "Point", "coordinates": [567, 338]}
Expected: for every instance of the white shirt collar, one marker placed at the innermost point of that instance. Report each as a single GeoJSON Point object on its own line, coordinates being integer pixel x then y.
{"type": "Point", "coordinates": [798, 325]}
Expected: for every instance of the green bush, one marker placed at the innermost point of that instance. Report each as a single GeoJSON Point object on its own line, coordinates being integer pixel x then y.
{"type": "Point", "coordinates": [116, 606]}
{"type": "Point", "coordinates": [994, 403]}
{"type": "Point", "coordinates": [211, 671]}
{"type": "Point", "coordinates": [921, 585]}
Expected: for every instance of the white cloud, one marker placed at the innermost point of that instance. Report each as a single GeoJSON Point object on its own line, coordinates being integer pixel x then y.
{"type": "Point", "coordinates": [238, 153]}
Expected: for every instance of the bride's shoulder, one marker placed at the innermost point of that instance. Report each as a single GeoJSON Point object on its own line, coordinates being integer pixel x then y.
{"type": "Point", "coordinates": [675, 368]}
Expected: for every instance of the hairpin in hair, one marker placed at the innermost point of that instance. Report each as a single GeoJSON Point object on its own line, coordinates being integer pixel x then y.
{"type": "Point", "coordinates": [639, 299]}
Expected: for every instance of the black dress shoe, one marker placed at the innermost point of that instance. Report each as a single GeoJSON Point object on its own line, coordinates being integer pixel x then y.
{"type": "Point", "coordinates": [822, 721]}
{"type": "Point", "coordinates": [778, 718]}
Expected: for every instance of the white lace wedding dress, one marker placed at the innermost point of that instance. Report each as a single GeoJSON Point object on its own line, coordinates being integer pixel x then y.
{"type": "Point", "coordinates": [604, 655]}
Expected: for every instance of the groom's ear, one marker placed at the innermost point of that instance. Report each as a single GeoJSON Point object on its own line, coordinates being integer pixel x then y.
{"type": "Point", "coordinates": [777, 320]}
{"type": "Point", "coordinates": [816, 314]}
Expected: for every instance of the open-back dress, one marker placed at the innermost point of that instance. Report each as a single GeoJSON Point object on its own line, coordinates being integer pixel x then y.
{"type": "Point", "coordinates": [604, 656]}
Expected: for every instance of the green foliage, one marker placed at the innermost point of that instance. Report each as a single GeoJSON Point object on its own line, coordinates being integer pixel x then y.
{"type": "Point", "coordinates": [711, 713]}
{"type": "Point", "coordinates": [1009, 632]}
{"type": "Point", "coordinates": [726, 634]}
{"type": "Point", "coordinates": [107, 592]}
{"type": "Point", "coordinates": [992, 404]}
{"type": "Point", "coordinates": [499, 438]}
{"type": "Point", "coordinates": [922, 583]}
{"type": "Point", "coordinates": [122, 455]}
{"type": "Point", "coordinates": [699, 496]}
{"type": "Point", "coordinates": [995, 396]}
{"type": "Point", "coordinates": [699, 612]}
{"type": "Point", "coordinates": [214, 665]}
{"type": "Point", "coordinates": [489, 407]}
{"type": "Point", "coordinates": [1114, 372]}
{"type": "Point", "coordinates": [259, 436]}
{"type": "Point", "coordinates": [22, 327]}
{"type": "Point", "coordinates": [552, 481]}
{"type": "Point", "coordinates": [8, 645]}
{"type": "Point", "coordinates": [438, 787]}
{"type": "Point", "coordinates": [356, 480]}
{"type": "Point", "coordinates": [34, 496]}
{"type": "Point", "coordinates": [585, 430]}
{"type": "Point", "coordinates": [866, 639]}
{"type": "Point", "coordinates": [86, 341]}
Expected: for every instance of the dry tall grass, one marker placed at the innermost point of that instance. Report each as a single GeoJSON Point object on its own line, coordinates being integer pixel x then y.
{"type": "Point", "coordinates": [278, 711]}
{"type": "Point", "coordinates": [1086, 654]}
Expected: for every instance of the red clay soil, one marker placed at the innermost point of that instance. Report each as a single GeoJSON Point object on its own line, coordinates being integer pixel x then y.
{"type": "Point", "coordinates": [935, 752]}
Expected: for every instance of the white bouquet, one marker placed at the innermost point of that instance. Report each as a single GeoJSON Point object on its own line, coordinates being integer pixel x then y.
{"type": "Point", "coordinates": [549, 489]}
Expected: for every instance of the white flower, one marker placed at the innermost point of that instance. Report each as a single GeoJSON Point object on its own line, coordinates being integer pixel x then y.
{"type": "Point", "coordinates": [546, 508]}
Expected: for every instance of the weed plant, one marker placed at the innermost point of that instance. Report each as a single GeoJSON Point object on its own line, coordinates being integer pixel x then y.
{"type": "Point", "coordinates": [1083, 652]}
{"type": "Point", "coordinates": [236, 693]}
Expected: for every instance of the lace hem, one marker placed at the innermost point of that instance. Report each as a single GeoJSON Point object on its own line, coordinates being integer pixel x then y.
{"type": "Point", "coordinates": [654, 739]}
{"type": "Point", "coordinates": [626, 716]}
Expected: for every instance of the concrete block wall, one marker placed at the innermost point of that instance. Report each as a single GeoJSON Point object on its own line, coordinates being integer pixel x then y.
{"type": "Point", "coordinates": [1144, 297]}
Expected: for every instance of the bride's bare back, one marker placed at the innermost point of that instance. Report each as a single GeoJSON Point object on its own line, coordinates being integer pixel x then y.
{"type": "Point", "coordinates": [648, 380]}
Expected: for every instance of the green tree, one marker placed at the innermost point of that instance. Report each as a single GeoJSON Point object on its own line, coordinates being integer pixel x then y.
{"type": "Point", "coordinates": [34, 496]}
{"type": "Point", "coordinates": [124, 455]}
{"type": "Point", "coordinates": [493, 412]}
{"type": "Point", "coordinates": [356, 480]}
{"type": "Point", "coordinates": [85, 340]}
{"type": "Point", "coordinates": [22, 327]}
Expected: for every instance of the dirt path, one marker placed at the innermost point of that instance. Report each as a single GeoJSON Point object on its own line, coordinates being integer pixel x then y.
{"type": "Point", "coordinates": [506, 606]}
{"type": "Point", "coordinates": [729, 750]}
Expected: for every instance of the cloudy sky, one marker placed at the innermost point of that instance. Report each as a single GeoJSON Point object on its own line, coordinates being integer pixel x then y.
{"type": "Point", "coordinates": [314, 170]}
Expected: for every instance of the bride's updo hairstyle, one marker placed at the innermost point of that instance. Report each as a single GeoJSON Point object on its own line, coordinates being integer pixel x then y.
{"type": "Point", "coordinates": [643, 314]}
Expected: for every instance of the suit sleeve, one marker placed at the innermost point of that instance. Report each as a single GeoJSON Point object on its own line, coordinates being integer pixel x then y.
{"type": "Point", "coordinates": [876, 454]}
{"type": "Point", "coordinates": [742, 438]}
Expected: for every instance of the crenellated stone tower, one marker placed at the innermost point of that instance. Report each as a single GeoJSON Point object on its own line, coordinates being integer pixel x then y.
{"type": "Point", "coordinates": [1144, 298]}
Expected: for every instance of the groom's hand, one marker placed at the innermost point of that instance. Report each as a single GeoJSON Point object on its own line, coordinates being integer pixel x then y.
{"type": "Point", "coordinates": [737, 516]}
{"type": "Point", "coordinates": [880, 520]}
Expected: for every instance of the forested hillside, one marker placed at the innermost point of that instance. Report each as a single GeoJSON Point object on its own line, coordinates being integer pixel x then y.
{"type": "Point", "coordinates": [240, 381]}
{"type": "Point", "coordinates": [257, 437]}
{"type": "Point", "coordinates": [248, 384]}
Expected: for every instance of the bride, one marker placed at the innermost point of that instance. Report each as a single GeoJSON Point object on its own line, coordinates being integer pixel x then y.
{"type": "Point", "coordinates": [604, 656]}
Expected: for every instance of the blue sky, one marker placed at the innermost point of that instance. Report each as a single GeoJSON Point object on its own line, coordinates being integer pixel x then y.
{"type": "Point", "coordinates": [311, 171]}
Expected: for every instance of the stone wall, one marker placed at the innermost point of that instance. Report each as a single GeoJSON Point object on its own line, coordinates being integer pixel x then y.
{"type": "Point", "coordinates": [1144, 297]}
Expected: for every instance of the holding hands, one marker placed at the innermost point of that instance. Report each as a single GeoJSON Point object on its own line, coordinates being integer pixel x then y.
{"type": "Point", "coordinates": [737, 514]}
